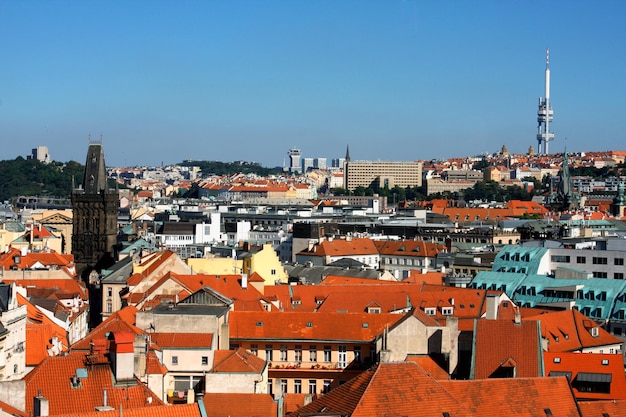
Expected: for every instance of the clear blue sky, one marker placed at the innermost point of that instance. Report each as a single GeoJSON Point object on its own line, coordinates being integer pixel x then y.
{"type": "Point", "coordinates": [165, 81]}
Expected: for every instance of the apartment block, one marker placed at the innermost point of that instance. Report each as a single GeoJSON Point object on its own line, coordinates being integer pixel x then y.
{"type": "Point", "coordinates": [382, 174]}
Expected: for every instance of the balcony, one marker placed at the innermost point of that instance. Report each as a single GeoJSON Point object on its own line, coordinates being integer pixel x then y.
{"type": "Point", "coordinates": [318, 366]}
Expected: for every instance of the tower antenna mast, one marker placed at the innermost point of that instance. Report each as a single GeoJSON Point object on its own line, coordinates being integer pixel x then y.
{"type": "Point", "coordinates": [545, 114]}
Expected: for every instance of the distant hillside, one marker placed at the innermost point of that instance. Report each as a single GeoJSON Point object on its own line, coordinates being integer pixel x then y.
{"type": "Point", "coordinates": [228, 168]}
{"type": "Point", "coordinates": [30, 177]}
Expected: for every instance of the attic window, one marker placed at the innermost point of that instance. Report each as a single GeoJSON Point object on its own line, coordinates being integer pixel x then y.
{"type": "Point", "coordinates": [401, 248]}
{"type": "Point", "coordinates": [365, 325]}
{"type": "Point", "coordinates": [259, 324]}
{"type": "Point", "coordinates": [556, 360]}
{"type": "Point", "coordinates": [605, 362]}
{"type": "Point", "coordinates": [416, 249]}
{"type": "Point", "coordinates": [296, 302]}
{"type": "Point", "coordinates": [431, 311]}
{"type": "Point", "coordinates": [374, 310]}
{"type": "Point", "coordinates": [75, 381]}
{"type": "Point", "coordinates": [447, 311]}
{"type": "Point", "coordinates": [309, 324]}
{"type": "Point", "coordinates": [547, 411]}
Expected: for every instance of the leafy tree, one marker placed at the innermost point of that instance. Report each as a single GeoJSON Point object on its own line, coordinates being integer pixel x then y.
{"type": "Point", "coordinates": [480, 165]}
{"type": "Point", "coordinates": [339, 191]}
{"type": "Point", "coordinates": [31, 177]}
{"type": "Point", "coordinates": [360, 191]}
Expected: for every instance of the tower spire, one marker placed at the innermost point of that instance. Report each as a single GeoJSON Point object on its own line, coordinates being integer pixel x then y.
{"type": "Point", "coordinates": [545, 115]}
{"type": "Point", "coordinates": [347, 153]}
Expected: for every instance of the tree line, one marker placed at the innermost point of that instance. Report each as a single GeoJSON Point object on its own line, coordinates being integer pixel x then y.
{"type": "Point", "coordinates": [30, 177]}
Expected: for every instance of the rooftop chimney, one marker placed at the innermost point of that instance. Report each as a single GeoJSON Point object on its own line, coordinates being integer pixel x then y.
{"type": "Point", "coordinates": [518, 316]}
{"type": "Point", "coordinates": [105, 407]}
{"type": "Point", "coordinates": [122, 355]}
{"type": "Point", "coordinates": [492, 307]}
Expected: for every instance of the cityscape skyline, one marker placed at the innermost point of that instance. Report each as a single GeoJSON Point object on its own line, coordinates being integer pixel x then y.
{"type": "Point", "coordinates": [247, 81]}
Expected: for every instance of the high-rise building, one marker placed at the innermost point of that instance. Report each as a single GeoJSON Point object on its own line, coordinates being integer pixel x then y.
{"type": "Point", "coordinates": [95, 208]}
{"type": "Point", "coordinates": [319, 163]}
{"type": "Point", "coordinates": [307, 164]}
{"type": "Point", "coordinates": [294, 160]}
{"type": "Point", "coordinates": [381, 174]}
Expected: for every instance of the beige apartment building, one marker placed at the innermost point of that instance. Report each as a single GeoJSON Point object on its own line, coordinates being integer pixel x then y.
{"type": "Point", "coordinates": [381, 174]}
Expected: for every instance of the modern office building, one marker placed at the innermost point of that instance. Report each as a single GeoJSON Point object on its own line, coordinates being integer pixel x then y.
{"type": "Point", "coordinates": [382, 174]}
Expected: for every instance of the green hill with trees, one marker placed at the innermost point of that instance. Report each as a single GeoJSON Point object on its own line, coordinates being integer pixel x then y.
{"type": "Point", "coordinates": [30, 177]}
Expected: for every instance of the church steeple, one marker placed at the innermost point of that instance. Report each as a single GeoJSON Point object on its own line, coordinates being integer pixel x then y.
{"type": "Point", "coordinates": [347, 153]}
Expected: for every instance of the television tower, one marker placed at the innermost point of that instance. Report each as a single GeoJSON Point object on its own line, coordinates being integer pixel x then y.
{"type": "Point", "coordinates": [545, 115]}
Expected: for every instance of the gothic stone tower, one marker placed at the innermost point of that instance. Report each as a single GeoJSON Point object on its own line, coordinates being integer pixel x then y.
{"type": "Point", "coordinates": [95, 208]}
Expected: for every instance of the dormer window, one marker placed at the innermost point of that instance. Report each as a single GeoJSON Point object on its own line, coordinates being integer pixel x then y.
{"type": "Point", "coordinates": [447, 311]}
{"type": "Point", "coordinates": [431, 311]}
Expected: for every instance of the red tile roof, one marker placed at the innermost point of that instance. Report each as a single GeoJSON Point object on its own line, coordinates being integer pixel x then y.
{"type": "Point", "coordinates": [240, 405]}
{"type": "Point", "coordinates": [63, 288]}
{"type": "Point", "coordinates": [577, 364]}
{"type": "Point", "coordinates": [8, 259]}
{"type": "Point", "coordinates": [405, 389]}
{"type": "Point", "coordinates": [415, 248]}
{"type": "Point", "coordinates": [308, 326]}
{"type": "Point", "coordinates": [179, 410]}
{"type": "Point", "coordinates": [602, 408]}
{"type": "Point", "coordinates": [343, 247]}
{"type": "Point", "coordinates": [52, 378]}
{"type": "Point", "coordinates": [120, 321]}
{"type": "Point", "coordinates": [154, 365]}
{"type": "Point", "coordinates": [569, 331]}
{"type": "Point", "coordinates": [390, 295]}
{"type": "Point", "coordinates": [503, 343]}
{"type": "Point", "coordinates": [182, 340]}
{"type": "Point", "coordinates": [237, 361]}
{"type": "Point", "coordinates": [393, 389]}
{"type": "Point", "coordinates": [40, 330]}
{"type": "Point", "coordinates": [523, 397]}
{"type": "Point", "coordinates": [154, 261]}
{"type": "Point", "coordinates": [429, 366]}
